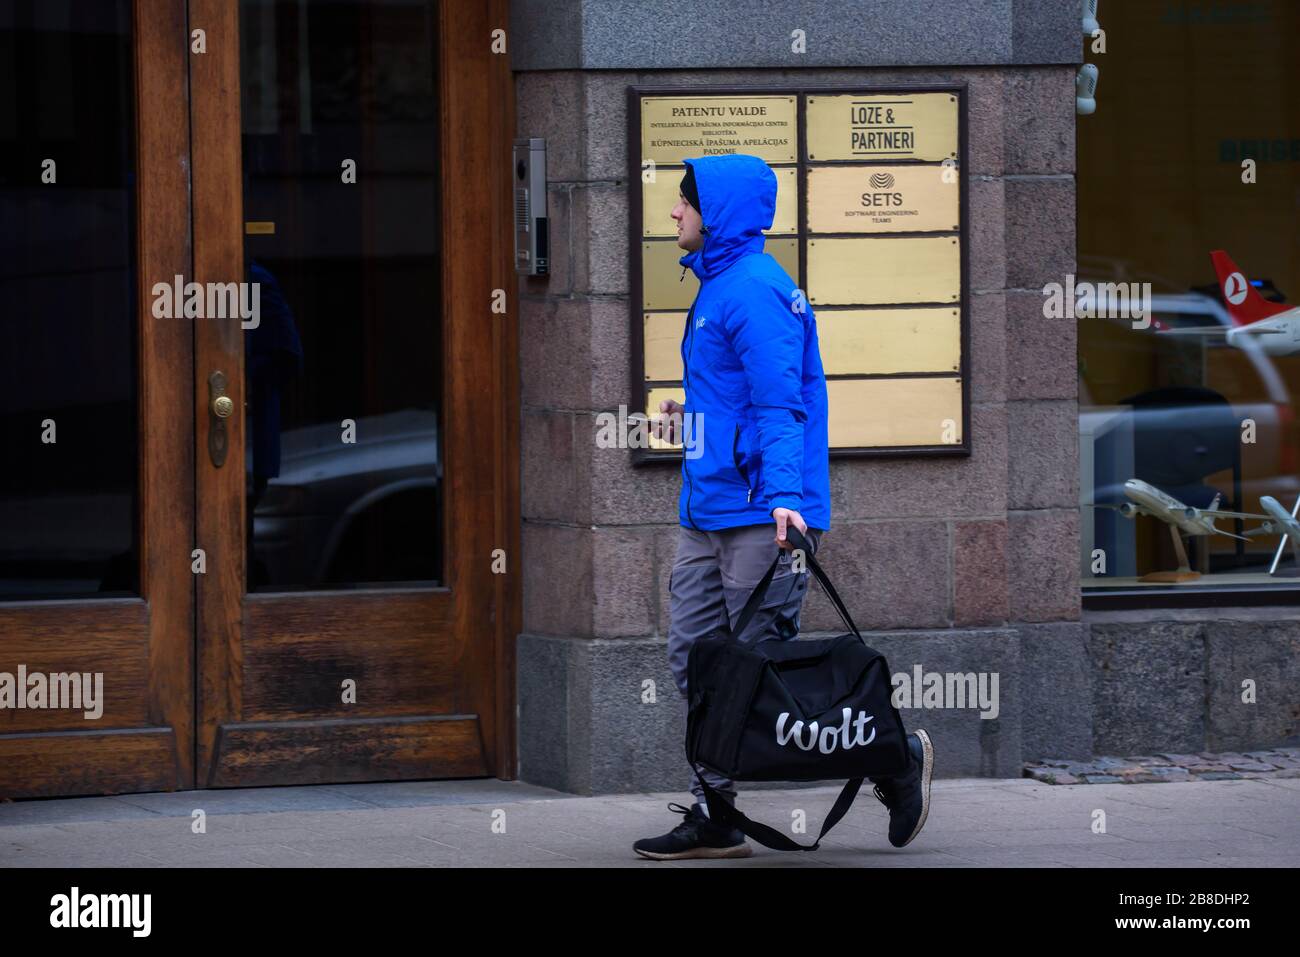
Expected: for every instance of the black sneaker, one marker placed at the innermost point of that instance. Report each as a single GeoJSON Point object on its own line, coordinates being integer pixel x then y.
{"type": "Point", "coordinates": [907, 795]}
{"type": "Point", "coordinates": [696, 836]}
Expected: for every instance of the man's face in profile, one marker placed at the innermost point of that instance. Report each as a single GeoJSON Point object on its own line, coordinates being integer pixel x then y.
{"type": "Point", "coordinates": [689, 222]}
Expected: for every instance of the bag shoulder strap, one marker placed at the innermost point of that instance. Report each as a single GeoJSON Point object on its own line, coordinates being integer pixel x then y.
{"type": "Point", "coordinates": [720, 812]}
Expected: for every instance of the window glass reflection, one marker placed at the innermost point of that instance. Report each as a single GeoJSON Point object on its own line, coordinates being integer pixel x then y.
{"type": "Point", "coordinates": [1189, 410]}
{"type": "Point", "coordinates": [343, 385]}
{"type": "Point", "coordinates": [68, 417]}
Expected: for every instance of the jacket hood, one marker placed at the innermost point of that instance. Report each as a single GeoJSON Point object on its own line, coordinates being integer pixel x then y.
{"type": "Point", "coordinates": [738, 196]}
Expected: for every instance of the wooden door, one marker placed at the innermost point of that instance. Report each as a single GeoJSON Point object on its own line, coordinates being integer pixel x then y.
{"type": "Point", "coordinates": [96, 502]}
{"type": "Point", "coordinates": [353, 159]}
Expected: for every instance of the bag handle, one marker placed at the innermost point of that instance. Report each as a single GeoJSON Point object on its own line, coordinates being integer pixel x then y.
{"type": "Point", "coordinates": [726, 815]}
{"type": "Point", "coordinates": [760, 590]}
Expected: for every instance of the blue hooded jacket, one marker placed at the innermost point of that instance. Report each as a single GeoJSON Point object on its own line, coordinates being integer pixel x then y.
{"type": "Point", "coordinates": [753, 372]}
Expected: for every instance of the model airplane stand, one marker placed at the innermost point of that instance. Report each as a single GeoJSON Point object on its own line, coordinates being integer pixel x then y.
{"type": "Point", "coordinates": [1294, 570]}
{"type": "Point", "coordinates": [1184, 571]}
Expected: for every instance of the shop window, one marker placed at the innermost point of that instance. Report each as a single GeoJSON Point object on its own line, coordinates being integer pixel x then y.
{"type": "Point", "coordinates": [1188, 406]}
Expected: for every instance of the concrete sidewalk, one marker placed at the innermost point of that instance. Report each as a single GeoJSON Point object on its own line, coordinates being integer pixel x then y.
{"type": "Point", "coordinates": [973, 822]}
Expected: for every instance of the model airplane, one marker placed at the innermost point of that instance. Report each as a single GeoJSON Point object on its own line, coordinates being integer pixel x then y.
{"type": "Point", "coordinates": [1281, 522]}
{"type": "Point", "coordinates": [1146, 499]}
{"type": "Point", "coordinates": [1271, 327]}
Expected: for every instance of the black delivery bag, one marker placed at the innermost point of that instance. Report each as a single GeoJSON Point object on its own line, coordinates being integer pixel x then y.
{"type": "Point", "coordinates": [790, 710]}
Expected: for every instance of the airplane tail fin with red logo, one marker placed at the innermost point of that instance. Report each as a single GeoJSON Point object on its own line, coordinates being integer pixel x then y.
{"type": "Point", "coordinates": [1243, 300]}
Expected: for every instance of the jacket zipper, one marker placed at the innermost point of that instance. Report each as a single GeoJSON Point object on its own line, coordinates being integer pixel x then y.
{"type": "Point", "coordinates": [686, 380]}
{"type": "Point", "coordinates": [735, 455]}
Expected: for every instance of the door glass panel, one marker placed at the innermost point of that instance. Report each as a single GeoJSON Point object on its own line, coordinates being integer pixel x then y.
{"type": "Point", "coordinates": [68, 416]}
{"type": "Point", "coordinates": [343, 371]}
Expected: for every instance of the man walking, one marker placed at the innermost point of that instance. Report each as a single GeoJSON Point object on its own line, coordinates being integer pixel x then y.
{"type": "Point", "coordinates": [756, 394]}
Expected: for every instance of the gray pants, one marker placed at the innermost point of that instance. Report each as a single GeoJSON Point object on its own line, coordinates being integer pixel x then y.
{"type": "Point", "coordinates": [713, 575]}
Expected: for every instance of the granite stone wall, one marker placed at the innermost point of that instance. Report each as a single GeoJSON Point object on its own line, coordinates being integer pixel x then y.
{"type": "Point", "coordinates": [1196, 679]}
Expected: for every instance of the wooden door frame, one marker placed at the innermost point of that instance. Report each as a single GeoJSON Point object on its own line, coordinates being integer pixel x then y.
{"type": "Point", "coordinates": [480, 397]}
{"type": "Point", "coordinates": [477, 89]}
{"type": "Point", "coordinates": [478, 109]}
{"type": "Point", "coordinates": [144, 645]}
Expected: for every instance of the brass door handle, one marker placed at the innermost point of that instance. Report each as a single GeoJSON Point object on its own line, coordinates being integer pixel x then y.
{"type": "Point", "coordinates": [220, 408]}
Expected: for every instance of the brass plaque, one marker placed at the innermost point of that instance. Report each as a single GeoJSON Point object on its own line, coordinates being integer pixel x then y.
{"type": "Point", "coordinates": [874, 178]}
{"type": "Point", "coordinates": [887, 269]}
{"type": "Point", "coordinates": [664, 282]}
{"type": "Point", "coordinates": [652, 401]}
{"type": "Point", "coordinates": [882, 126]}
{"type": "Point", "coordinates": [882, 199]}
{"type": "Point", "coordinates": [882, 413]}
{"type": "Point", "coordinates": [259, 229]}
{"type": "Point", "coordinates": [663, 345]}
{"type": "Point", "coordinates": [873, 413]}
{"type": "Point", "coordinates": [659, 198]}
{"type": "Point", "coordinates": [883, 341]}
{"type": "Point", "coordinates": [674, 128]}
{"type": "Point", "coordinates": [663, 285]}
